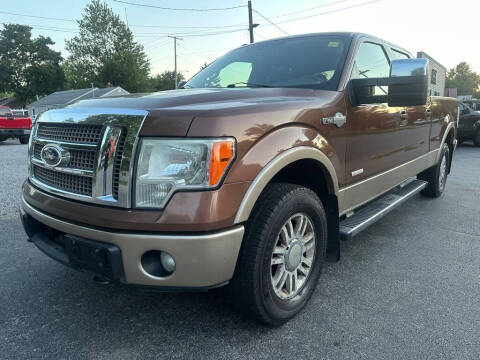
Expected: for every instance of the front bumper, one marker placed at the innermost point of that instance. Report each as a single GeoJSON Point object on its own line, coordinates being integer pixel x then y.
{"type": "Point", "coordinates": [15, 132]}
{"type": "Point", "coordinates": [202, 261]}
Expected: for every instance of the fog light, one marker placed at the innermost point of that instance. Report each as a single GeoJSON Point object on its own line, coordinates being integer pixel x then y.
{"type": "Point", "coordinates": [168, 262]}
{"type": "Point", "coordinates": [158, 263]}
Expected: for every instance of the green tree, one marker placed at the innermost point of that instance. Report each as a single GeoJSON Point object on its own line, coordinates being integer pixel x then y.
{"type": "Point", "coordinates": [28, 67]}
{"type": "Point", "coordinates": [464, 79]}
{"type": "Point", "coordinates": [104, 52]}
{"type": "Point", "coordinates": [165, 81]}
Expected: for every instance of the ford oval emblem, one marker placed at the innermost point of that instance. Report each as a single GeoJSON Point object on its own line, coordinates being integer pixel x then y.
{"type": "Point", "coordinates": [54, 155]}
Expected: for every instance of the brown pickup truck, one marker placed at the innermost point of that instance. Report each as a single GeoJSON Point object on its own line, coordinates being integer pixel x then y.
{"type": "Point", "coordinates": [248, 176]}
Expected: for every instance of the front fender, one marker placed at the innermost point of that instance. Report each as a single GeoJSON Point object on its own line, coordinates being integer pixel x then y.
{"type": "Point", "coordinates": [275, 151]}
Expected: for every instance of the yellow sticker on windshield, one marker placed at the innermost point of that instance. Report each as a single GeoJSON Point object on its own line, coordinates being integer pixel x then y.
{"type": "Point", "coordinates": [333, 44]}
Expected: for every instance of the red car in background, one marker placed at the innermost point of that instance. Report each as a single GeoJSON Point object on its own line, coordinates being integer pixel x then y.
{"type": "Point", "coordinates": [12, 126]}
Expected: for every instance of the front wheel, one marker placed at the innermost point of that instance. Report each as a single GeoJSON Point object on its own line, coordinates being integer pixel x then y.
{"type": "Point", "coordinates": [23, 139]}
{"type": "Point", "coordinates": [436, 176]}
{"type": "Point", "coordinates": [282, 254]}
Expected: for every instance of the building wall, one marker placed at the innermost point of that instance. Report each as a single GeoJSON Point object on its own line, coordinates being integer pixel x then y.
{"type": "Point", "coordinates": [437, 75]}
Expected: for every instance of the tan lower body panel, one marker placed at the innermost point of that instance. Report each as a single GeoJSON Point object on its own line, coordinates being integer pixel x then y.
{"type": "Point", "coordinates": [201, 260]}
{"type": "Point", "coordinates": [355, 195]}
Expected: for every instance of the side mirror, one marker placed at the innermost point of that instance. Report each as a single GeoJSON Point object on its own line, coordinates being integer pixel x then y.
{"type": "Point", "coordinates": [407, 85]}
{"type": "Point", "coordinates": [408, 82]}
{"type": "Point", "coordinates": [181, 84]}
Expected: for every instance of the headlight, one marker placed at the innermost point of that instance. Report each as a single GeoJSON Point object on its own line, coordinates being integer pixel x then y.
{"type": "Point", "coordinates": [167, 165]}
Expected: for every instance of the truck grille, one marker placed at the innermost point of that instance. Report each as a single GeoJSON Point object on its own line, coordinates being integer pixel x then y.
{"type": "Point", "coordinates": [79, 159]}
{"type": "Point", "coordinates": [72, 133]}
{"type": "Point", "coordinates": [90, 154]}
{"type": "Point", "coordinates": [81, 185]}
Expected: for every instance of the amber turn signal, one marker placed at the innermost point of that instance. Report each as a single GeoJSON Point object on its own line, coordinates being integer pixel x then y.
{"type": "Point", "coordinates": [222, 154]}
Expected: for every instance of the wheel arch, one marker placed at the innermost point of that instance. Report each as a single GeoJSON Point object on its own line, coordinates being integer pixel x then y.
{"type": "Point", "coordinates": [283, 168]}
{"type": "Point", "coordinates": [449, 139]}
{"type": "Point", "coordinates": [281, 163]}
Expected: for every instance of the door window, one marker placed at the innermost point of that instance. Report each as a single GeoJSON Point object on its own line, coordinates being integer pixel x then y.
{"type": "Point", "coordinates": [397, 55]}
{"type": "Point", "coordinates": [372, 62]}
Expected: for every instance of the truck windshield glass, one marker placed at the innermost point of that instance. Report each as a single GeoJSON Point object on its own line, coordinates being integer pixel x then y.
{"type": "Point", "coordinates": [306, 62]}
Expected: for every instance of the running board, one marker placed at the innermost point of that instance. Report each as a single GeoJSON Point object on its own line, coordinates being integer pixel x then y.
{"type": "Point", "coordinates": [376, 210]}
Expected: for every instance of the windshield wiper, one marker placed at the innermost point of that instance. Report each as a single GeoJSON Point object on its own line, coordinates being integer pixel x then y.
{"type": "Point", "coordinates": [247, 84]}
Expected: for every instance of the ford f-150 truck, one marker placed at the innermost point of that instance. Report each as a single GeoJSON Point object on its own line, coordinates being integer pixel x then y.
{"type": "Point", "coordinates": [14, 126]}
{"type": "Point", "coordinates": [248, 177]}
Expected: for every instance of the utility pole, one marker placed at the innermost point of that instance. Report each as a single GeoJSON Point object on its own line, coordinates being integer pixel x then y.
{"type": "Point", "coordinates": [175, 38]}
{"type": "Point", "coordinates": [250, 21]}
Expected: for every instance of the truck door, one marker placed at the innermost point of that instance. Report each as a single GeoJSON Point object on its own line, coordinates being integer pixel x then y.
{"type": "Point", "coordinates": [374, 141]}
{"type": "Point", "coordinates": [416, 122]}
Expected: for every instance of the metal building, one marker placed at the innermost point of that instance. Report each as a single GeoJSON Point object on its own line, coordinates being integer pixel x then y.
{"type": "Point", "coordinates": [437, 75]}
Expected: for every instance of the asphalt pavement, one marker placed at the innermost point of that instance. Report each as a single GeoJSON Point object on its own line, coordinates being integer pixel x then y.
{"type": "Point", "coordinates": [406, 288]}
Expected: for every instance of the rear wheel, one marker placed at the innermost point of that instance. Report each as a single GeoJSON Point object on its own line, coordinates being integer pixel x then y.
{"type": "Point", "coordinates": [23, 139]}
{"type": "Point", "coordinates": [476, 138]}
{"type": "Point", "coordinates": [282, 254]}
{"type": "Point", "coordinates": [436, 176]}
{"type": "Point", "coordinates": [2, 138]}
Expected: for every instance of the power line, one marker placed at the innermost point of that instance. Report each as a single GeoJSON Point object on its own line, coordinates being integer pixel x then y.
{"type": "Point", "coordinates": [312, 8]}
{"type": "Point", "coordinates": [131, 25]}
{"type": "Point", "coordinates": [191, 27]}
{"type": "Point", "coordinates": [329, 12]}
{"type": "Point", "coordinates": [271, 22]}
{"type": "Point", "coordinates": [180, 9]}
{"type": "Point", "coordinates": [37, 17]}
{"type": "Point", "coordinates": [45, 28]}
{"type": "Point", "coordinates": [144, 35]}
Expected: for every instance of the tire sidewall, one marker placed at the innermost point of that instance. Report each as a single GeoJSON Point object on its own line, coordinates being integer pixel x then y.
{"type": "Point", "coordinates": [445, 153]}
{"type": "Point", "coordinates": [310, 205]}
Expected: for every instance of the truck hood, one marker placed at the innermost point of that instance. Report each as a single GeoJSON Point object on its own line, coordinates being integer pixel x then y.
{"type": "Point", "coordinates": [170, 113]}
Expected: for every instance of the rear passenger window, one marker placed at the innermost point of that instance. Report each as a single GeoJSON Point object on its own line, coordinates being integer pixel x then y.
{"type": "Point", "coordinates": [397, 55]}
{"type": "Point", "coordinates": [371, 62]}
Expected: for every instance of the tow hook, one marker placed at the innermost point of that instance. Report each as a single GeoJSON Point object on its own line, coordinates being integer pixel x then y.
{"type": "Point", "coordinates": [101, 280]}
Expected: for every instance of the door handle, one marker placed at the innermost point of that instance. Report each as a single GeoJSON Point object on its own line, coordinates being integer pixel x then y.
{"type": "Point", "coordinates": [403, 114]}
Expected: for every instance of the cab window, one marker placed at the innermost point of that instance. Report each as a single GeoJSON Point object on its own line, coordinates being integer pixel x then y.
{"type": "Point", "coordinates": [398, 55]}
{"type": "Point", "coordinates": [372, 62]}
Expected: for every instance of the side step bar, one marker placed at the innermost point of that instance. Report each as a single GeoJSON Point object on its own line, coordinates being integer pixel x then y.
{"type": "Point", "coordinates": [371, 213]}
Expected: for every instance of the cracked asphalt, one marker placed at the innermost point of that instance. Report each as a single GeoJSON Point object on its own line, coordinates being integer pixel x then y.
{"type": "Point", "coordinates": [406, 288]}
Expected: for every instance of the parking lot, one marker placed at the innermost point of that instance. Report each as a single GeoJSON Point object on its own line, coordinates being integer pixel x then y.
{"type": "Point", "coordinates": [406, 288]}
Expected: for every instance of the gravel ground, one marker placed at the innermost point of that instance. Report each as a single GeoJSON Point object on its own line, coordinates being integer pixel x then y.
{"type": "Point", "coordinates": [13, 171]}
{"type": "Point", "coordinates": [406, 288]}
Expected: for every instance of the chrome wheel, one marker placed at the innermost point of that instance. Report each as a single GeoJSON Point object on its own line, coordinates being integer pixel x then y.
{"type": "Point", "coordinates": [442, 176]}
{"type": "Point", "coordinates": [293, 256]}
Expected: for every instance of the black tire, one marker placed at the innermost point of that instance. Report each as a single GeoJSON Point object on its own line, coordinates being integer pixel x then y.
{"type": "Point", "coordinates": [436, 183]}
{"type": "Point", "coordinates": [476, 138]}
{"type": "Point", "coordinates": [251, 289]}
{"type": "Point", "coordinates": [23, 139]}
{"type": "Point", "coordinates": [2, 139]}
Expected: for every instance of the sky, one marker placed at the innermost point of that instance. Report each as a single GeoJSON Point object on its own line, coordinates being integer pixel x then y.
{"type": "Point", "coordinates": [446, 30]}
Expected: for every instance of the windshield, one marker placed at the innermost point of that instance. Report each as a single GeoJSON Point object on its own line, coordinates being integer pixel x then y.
{"type": "Point", "coordinates": [310, 62]}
